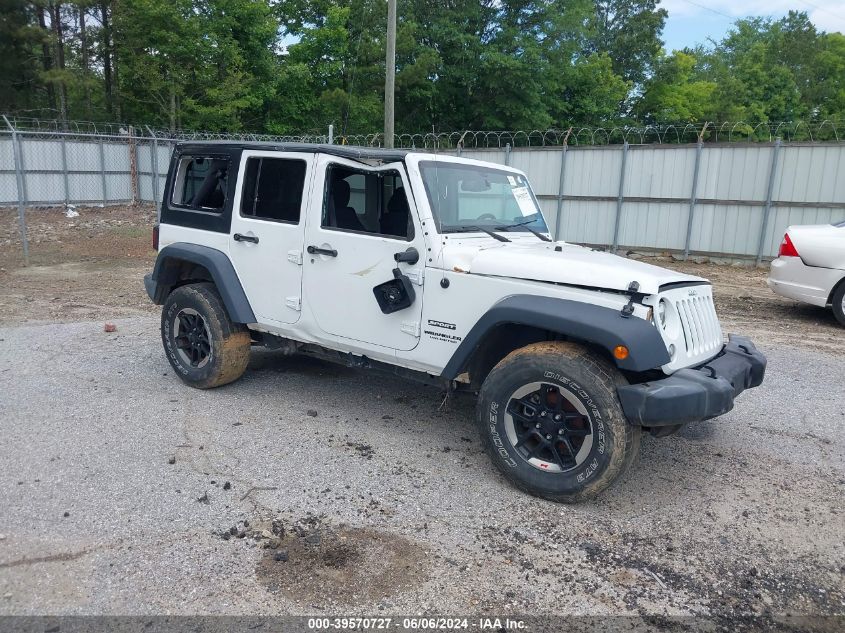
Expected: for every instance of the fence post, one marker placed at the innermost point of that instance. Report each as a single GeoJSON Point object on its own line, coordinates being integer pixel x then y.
{"type": "Point", "coordinates": [563, 151]}
{"type": "Point", "coordinates": [767, 209]}
{"type": "Point", "coordinates": [154, 165]}
{"type": "Point", "coordinates": [461, 144]}
{"type": "Point", "coordinates": [64, 170]}
{"type": "Point", "coordinates": [133, 164]}
{"type": "Point", "coordinates": [507, 155]}
{"type": "Point", "coordinates": [693, 195]}
{"type": "Point", "coordinates": [331, 134]}
{"type": "Point", "coordinates": [103, 171]}
{"type": "Point", "coordinates": [560, 190]}
{"type": "Point", "coordinates": [16, 152]}
{"type": "Point", "coordinates": [620, 197]}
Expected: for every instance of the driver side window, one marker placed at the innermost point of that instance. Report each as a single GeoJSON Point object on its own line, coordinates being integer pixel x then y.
{"type": "Point", "coordinates": [359, 201]}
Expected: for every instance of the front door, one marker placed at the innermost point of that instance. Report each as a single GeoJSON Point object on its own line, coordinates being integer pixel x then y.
{"type": "Point", "coordinates": [366, 221]}
{"type": "Point", "coordinates": [268, 225]}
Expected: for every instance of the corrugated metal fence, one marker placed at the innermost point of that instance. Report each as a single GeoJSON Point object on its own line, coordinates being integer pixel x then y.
{"type": "Point", "coordinates": [81, 168]}
{"type": "Point", "coordinates": [732, 200]}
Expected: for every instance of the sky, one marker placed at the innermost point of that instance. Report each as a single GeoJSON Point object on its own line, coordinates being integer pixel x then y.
{"type": "Point", "coordinates": [692, 22]}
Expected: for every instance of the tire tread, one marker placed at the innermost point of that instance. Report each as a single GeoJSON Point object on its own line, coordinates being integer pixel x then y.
{"type": "Point", "coordinates": [605, 379]}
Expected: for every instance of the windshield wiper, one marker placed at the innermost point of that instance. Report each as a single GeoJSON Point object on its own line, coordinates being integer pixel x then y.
{"type": "Point", "coordinates": [526, 227]}
{"type": "Point", "coordinates": [466, 229]}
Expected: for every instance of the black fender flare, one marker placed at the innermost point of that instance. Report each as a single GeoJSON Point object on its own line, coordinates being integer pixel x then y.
{"type": "Point", "coordinates": [165, 277]}
{"type": "Point", "coordinates": [598, 325]}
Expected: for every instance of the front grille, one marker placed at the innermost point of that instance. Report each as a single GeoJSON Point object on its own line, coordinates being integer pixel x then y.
{"type": "Point", "coordinates": [700, 325]}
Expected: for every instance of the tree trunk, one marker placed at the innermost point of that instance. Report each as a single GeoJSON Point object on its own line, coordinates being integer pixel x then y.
{"type": "Point", "coordinates": [116, 76]}
{"type": "Point", "coordinates": [56, 19]}
{"type": "Point", "coordinates": [46, 57]}
{"type": "Point", "coordinates": [172, 108]}
{"type": "Point", "coordinates": [83, 43]}
{"type": "Point", "coordinates": [108, 79]}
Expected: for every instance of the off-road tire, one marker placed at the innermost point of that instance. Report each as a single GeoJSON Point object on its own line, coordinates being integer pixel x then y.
{"type": "Point", "coordinates": [581, 374]}
{"type": "Point", "coordinates": [229, 342]}
{"type": "Point", "coordinates": [838, 301]}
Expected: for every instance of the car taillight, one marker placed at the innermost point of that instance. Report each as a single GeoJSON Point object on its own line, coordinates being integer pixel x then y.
{"type": "Point", "coordinates": [155, 237]}
{"type": "Point", "coordinates": [787, 248]}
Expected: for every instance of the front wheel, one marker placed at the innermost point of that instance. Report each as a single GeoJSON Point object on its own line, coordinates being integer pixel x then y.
{"type": "Point", "coordinates": [203, 345]}
{"type": "Point", "coordinates": [552, 423]}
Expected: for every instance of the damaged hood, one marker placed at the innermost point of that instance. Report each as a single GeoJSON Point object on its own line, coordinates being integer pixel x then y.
{"type": "Point", "coordinates": [572, 265]}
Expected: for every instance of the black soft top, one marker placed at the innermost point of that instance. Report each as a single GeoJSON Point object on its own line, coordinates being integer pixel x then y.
{"type": "Point", "coordinates": [352, 152]}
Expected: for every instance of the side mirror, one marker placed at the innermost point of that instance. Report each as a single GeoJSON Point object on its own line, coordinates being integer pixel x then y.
{"type": "Point", "coordinates": [396, 294]}
{"type": "Point", "coordinates": [410, 256]}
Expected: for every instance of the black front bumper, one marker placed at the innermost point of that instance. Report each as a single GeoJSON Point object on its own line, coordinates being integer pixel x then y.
{"type": "Point", "coordinates": [692, 395]}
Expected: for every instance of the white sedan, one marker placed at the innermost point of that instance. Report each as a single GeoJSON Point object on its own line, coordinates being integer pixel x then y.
{"type": "Point", "coordinates": [810, 266]}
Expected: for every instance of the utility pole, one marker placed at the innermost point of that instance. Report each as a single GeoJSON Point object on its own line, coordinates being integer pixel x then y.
{"type": "Point", "coordinates": [390, 75]}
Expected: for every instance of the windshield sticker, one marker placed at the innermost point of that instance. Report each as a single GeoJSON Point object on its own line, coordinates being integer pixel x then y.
{"type": "Point", "coordinates": [512, 180]}
{"type": "Point", "coordinates": [524, 200]}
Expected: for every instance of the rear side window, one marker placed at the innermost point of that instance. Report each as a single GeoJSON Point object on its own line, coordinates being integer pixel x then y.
{"type": "Point", "coordinates": [201, 183]}
{"type": "Point", "coordinates": [272, 189]}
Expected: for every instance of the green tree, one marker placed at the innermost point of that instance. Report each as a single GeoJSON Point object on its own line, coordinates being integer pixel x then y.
{"type": "Point", "coordinates": [774, 70]}
{"type": "Point", "coordinates": [592, 93]}
{"type": "Point", "coordinates": [185, 63]}
{"type": "Point", "coordinates": [21, 87]}
{"type": "Point", "coordinates": [508, 64]}
{"type": "Point", "coordinates": [629, 32]}
{"type": "Point", "coordinates": [826, 93]}
{"type": "Point", "coordinates": [673, 93]}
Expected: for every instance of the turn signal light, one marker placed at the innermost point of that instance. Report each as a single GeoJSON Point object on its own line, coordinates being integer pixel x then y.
{"type": "Point", "coordinates": [787, 248]}
{"type": "Point", "coordinates": [620, 352]}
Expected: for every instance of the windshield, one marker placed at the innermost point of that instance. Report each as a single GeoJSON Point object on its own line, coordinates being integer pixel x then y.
{"type": "Point", "coordinates": [464, 197]}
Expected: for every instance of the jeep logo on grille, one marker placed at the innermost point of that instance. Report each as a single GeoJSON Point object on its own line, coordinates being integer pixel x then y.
{"type": "Point", "coordinates": [693, 292]}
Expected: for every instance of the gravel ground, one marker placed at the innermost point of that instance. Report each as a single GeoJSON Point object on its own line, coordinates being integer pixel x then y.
{"type": "Point", "coordinates": [307, 488]}
{"type": "Point", "coordinates": [121, 489]}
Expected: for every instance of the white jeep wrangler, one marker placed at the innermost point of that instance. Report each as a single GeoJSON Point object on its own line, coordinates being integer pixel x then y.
{"type": "Point", "coordinates": [439, 269]}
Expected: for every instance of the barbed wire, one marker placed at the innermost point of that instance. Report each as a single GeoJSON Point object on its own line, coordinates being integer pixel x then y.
{"type": "Point", "coordinates": [675, 133]}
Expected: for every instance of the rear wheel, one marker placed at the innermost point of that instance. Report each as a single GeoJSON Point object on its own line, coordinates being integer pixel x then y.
{"type": "Point", "coordinates": [838, 301]}
{"type": "Point", "coordinates": [551, 420]}
{"type": "Point", "coordinates": [203, 345]}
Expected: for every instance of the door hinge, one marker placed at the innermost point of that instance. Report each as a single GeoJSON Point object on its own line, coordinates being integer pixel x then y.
{"type": "Point", "coordinates": [294, 303]}
{"type": "Point", "coordinates": [415, 275]}
{"type": "Point", "coordinates": [295, 257]}
{"type": "Point", "coordinates": [411, 327]}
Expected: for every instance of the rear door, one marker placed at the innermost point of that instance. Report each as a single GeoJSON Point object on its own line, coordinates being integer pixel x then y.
{"type": "Point", "coordinates": [268, 225]}
{"type": "Point", "coordinates": [366, 219]}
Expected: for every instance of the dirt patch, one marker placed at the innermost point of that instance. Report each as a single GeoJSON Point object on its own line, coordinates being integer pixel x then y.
{"type": "Point", "coordinates": [82, 268]}
{"type": "Point", "coordinates": [318, 564]}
